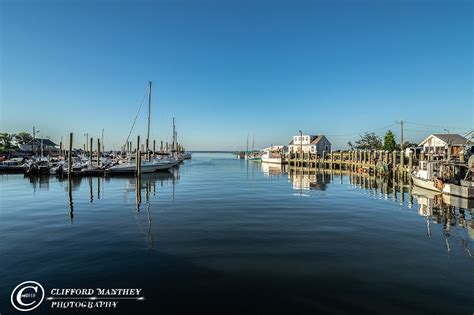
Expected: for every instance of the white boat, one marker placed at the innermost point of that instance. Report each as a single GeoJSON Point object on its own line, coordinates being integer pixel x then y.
{"type": "Point", "coordinates": [428, 176]}
{"type": "Point", "coordinates": [186, 156]}
{"type": "Point", "coordinates": [274, 154]}
{"type": "Point", "coordinates": [146, 166]}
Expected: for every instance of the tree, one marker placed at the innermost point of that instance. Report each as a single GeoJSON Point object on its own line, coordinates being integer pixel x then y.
{"type": "Point", "coordinates": [409, 144]}
{"type": "Point", "coordinates": [389, 143]}
{"type": "Point", "coordinates": [5, 139]}
{"type": "Point", "coordinates": [351, 146]}
{"type": "Point", "coordinates": [368, 141]}
{"type": "Point", "coordinates": [23, 137]}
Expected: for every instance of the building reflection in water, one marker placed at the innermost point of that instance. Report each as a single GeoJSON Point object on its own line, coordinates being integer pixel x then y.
{"type": "Point", "coordinates": [270, 169]}
{"type": "Point", "coordinates": [302, 179]}
{"type": "Point", "coordinates": [449, 211]}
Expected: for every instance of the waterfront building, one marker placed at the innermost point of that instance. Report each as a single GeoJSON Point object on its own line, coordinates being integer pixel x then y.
{"type": "Point", "coordinates": [439, 144]}
{"type": "Point", "coordinates": [309, 143]}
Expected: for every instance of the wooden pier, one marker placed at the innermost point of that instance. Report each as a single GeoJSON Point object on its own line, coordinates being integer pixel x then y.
{"type": "Point", "coordinates": [373, 162]}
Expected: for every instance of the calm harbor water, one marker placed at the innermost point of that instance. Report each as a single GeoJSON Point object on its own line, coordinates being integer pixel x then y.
{"type": "Point", "coordinates": [222, 235]}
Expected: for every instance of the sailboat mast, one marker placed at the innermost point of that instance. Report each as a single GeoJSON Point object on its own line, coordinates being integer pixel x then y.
{"type": "Point", "coordinates": [247, 143]}
{"type": "Point", "coordinates": [253, 143]}
{"type": "Point", "coordinates": [149, 110]}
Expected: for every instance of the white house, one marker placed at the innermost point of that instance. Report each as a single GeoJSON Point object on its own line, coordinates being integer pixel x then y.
{"type": "Point", "coordinates": [439, 143]}
{"type": "Point", "coordinates": [309, 143]}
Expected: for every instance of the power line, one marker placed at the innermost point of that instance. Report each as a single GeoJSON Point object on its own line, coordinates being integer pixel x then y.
{"type": "Point", "coordinates": [361, 132]}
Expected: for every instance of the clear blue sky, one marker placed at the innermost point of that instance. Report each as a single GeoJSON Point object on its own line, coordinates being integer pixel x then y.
{"type": "Point", "coordinates": [228, 68]}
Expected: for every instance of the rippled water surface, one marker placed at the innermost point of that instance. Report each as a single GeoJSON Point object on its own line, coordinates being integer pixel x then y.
{"type": "Point", "coordinates": [222, 235]}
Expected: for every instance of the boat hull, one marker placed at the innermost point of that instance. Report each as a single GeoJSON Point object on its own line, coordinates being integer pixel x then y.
{"type": "Point", "coordinates": [272, 160]}
{"type": "Point", "coordinates": [147, 168]}
{"type": "Point", "coordinates": [448, 189]}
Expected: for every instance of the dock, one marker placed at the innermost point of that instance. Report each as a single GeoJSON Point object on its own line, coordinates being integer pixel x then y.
{"type": "Point", "coordinates": [364, 161]}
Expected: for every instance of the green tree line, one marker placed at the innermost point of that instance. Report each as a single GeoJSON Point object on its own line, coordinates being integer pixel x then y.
{"type": "Point", "coordinates": [7, 140]}
{"type": "Point", "coordinates": [370, 141]}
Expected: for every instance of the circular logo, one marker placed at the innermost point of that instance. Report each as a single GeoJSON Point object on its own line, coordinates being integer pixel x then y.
{"type": "Point", "coordinates": [27, 296]}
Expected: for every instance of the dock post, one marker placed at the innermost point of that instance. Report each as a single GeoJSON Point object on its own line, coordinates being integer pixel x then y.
{"type": "Point", "coordinates": [161, 146]}
{"type": "Point", "coordinates": [90, 158]}
{"type": "Point", "coordinates": [137, 157]}
{"type": "Point", "coordinates": [351, 159]}
{"type": "Point", "coordinates": [147, 149]}
{"type": "Point", "coordinates": [410, 162]}
{"type": "Point", "coordinates": [402, 163]}
{"type": "Point", "coordinates": [324, 159]}
{"type": "Point", "coordinates": [98, 153]}
{"type": "Point", "coordinates": [394, 161]}
{"type": "Point", "coordinates": [69, 157]}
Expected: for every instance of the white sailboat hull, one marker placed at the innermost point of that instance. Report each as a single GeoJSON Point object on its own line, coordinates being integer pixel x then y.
{"type": "Point", "coordinates": [145, 168]}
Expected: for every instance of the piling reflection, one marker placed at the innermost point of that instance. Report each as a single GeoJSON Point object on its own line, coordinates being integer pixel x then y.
{"type": "Point", "coordinates": [453, 213]}
{"type": "Point", "coordinates": [148, 183]}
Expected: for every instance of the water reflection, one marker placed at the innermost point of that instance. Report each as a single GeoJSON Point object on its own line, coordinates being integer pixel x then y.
{"type": "Point", "coordinates": [145, 182]}
{"type": "Point", "coordinates": [270, 169]}
{"type": "Point", "coordinates": [452, 213]}
{"type": "Point", "coordinates": [306, 180]}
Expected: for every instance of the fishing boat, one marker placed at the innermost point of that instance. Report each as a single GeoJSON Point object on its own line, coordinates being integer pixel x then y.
{"type": "Point", "coordinates": [274, 154]}
{"type": "Point", "coordinates": [253, 155]}
{"type": "Point", "coordinates": [443, 177]}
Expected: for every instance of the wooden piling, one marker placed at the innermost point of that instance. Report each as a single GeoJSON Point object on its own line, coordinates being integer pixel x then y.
{"type": "Point", "coordinates": [69, 162]}
{"type": "Point", "coordinates": [98, 153]}
{"type": "Point", "coordinates": [147, 148]}
{"type": "Point", "coordinates": [410, 162]}
{"type": "Point", "coordinates": [402, 163]}
{"type": "Point", "coordinates": [137, 157]}
{"type": "Point", "coordinates": [90, 152]}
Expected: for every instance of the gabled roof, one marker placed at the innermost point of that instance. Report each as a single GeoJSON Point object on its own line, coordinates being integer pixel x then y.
{"type": "Point", "coordinates": [314, 139]}
{"type": "Point", "coordinates": [46, 142]}
{"type": "Point", "coordinates": [451, 138]}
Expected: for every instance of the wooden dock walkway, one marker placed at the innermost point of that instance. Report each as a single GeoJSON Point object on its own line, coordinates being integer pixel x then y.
{"type": "Point", "coordinates": [364, 161]}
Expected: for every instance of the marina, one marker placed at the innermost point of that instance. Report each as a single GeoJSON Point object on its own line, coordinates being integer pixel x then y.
{"type": "Point", "coordinates": [256, 236]}
{"type": "Point", "coordinates": [236, 157]}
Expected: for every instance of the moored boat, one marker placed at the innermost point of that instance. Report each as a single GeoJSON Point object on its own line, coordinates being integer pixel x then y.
{"type": "Point", "coordinates": [432, 175]}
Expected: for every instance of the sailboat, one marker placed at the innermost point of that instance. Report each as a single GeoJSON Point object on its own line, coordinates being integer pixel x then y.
{"type": "Point", "coordinates": [150, 166]}
{"type": "Point", "coordinates": [254, 155]}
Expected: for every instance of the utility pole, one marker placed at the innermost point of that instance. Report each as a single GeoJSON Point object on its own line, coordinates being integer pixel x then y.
{"type": "Point", "coordinates": [401, 134]}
